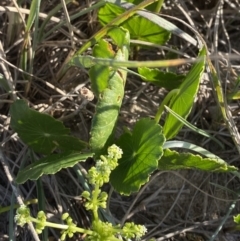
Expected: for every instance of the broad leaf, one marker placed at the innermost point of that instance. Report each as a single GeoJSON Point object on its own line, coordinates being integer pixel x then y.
{"type": "Point", "coordinates": [139, 27]}
{"type": "Point", "coordinates": [161, 22]}
{"type": "Point", "coordinates": [182, 102]}
{"type": "Point", "coordinates": [50, 165]}
{"type": "Point", "coordinates": [40, 131]}
{"type": "Point", "coordinates": [190, 146]}
{"type": "Point", "coordinates": [99, 74]}
{"type": "Point", "coordinates": [120, 37]}
{"type": "Point", "coordinates": [111, 92]}
{"type": "Point", "coordinates": [172, 160]}
{"type": "Point", "coordinates": [160, 78]}
{"type": "Point", "coordinates": [141, 151]}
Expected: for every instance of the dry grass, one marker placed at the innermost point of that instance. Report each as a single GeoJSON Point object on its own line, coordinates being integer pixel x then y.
{"type": "Point", "coordinates": [184, 205]}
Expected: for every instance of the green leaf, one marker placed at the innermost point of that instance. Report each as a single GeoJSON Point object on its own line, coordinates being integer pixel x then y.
{"type": "Point", "coordinates": [163, 23]}
{"type": "Point", "coordinates": [99, 74]}
{"type": "Point", "coordinates": [141, 151]}
{"type": "Point", "coordinates": [139, 27]}
{"type": "Point", "coordinates": [160, 78]}
{"type": "Point", "coordinates": [194, 128]}
{"type": "Point", "coordinates": [143, 29]}
{"type": "Point", "coordinates": [40, 131]}
{"type": "Point", "coordinates": [182, 102]}
{"type": "Point", "coordinates": [172, 160]}
{"type": "Point", "coordinates": [50, 165]}
{"type": "Point", "coordinates": [4, 84]}
{"type": "Point", "coordinates": [110, 96]}
{"type": "Point", "coordinates": [106, 115]}
{"type": "Point", "coordinates": [34, 9]}
{"type": "Point", "coordinates": [191, 147]}
{"type": "Point", "coordinates": [236, 219]}
{"type": "Point", "coordinates": [120, 37]}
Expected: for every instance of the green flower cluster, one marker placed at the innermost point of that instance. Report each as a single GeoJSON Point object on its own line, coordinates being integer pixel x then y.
{"type": "Point", "coordinates": [100, 231]}
{"type": "Point", "coordinates": [100, 174]}
{"type": "Point", "coordinates": [104, 231]}
{"type": "Point", "coordinates": [71, 227]}
{"type": "Point", "coordinates": [22, 215]}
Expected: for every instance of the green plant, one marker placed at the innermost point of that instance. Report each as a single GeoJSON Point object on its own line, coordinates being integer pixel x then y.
{"type": "Point", "coordinates": [102, 231]}
{"type": "Point", "coordinates": [147, 147]}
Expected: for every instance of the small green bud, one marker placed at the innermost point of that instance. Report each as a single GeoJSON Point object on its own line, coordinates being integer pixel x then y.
{"type": "Point", "coordinates": [41, 216]}
{"type": "Point", "coordinates": [63, 236]}
{"type": "Point", "coordinates": [102, 231]}
{"type": "Point", "coordinates": [100, 174]}
{"type": "Point", "coordinates": [69, 221]}
{"type": "Point", "coordinates": [86, 195]}
{"type": "Point", "coordinates": [131, 230]}
{"type": "Point", "coordinates": [65, 216]}
{"type": "Point", "coordinates": [40, 227]}
{"type": "Point", "coordinates": [114, 152]}
{"type": "Point", "coordinates": [22, 215]}
{"type": "Point", "coordinates": [140, 231]}
{"type": "Point", "coordinates": [71, 227]}
{"type": "Point", "coordinates": [38, 230]}
{"type": "Point", "coordinates": [102, 200]}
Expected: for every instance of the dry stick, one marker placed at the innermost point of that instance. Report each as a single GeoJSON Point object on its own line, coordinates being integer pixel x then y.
{"type": "Point", "coordinates": [228, 112]}
{"type": "Point", "coordinates": [41, 15]}
{"type": "Point", "coordinates": [229, 46]}
{"type": "Point", "coordinates": [168, 212]}
{"type": "Point", "coordinates": [62, 93]}
{"type": "Point", "coordinates": [27, 11]}
{"type": "Point", "coordinates": [143, 203]}
{"type": "Point", "coordinates": [224, 108]}
{"type": "Point", "coordinates": [187, 15]}
{"type": "Point", "coordinates": [138, 195]}
{"type": "Point", "coordinates": [43, 81]}
{"type": "Point", "coordinates": [86, 96]}
{"type": "Point", "coordinates": [70, 28]}
{"type": "Point", "coordinates": [7, 73]}
{"type": "Point", "coordinates": [16, 190]}
{"type": "Point", "coordinates": [193, 197]}
{"type": "Point", "coordinates": [184, 230]}
{"type": "Point", "coordinates": [234, 133]}
{"type": "Point", "coordinates": [233, 205]}
{"type": "Point", "coordinates": [26, 39]}
{"type": "Point", "coordinates": [200, 190]}
{"type": "Point", "coordinates": [183, 10]}
{"type": "Point", "coordinates": [20, 13]}
{"type": "Point", "coordinates": [232, 5]}
{"type": "Point", "coordinates": [195, 226]}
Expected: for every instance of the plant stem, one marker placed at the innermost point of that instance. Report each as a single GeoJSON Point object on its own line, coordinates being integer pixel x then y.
{"type": "Point", "coordinates": [63, 226]}
{"type": "Point", "coordinates": [159, 6]}
{"type": "Point", "coordinates": [169, 96]}
{"type": "Point", "coordinates": [95, 201]}
{"type": "Point", "coordinates": [88, 61]}
{"type": "Point", "coordinates": [6, 209]}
